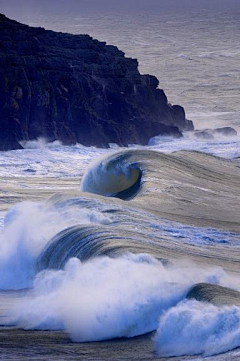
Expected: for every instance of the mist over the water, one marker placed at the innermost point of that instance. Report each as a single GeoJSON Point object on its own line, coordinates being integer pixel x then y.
{"type": "Point", "coordinates": [103, 260]}
{"type": "Point", "coordinates": [105, 6]}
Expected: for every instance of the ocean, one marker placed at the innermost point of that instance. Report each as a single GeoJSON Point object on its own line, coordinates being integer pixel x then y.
{"type": "Point", "coordinates": [99, 248]}
{"type": "Point", "coordinates": [195, 54]}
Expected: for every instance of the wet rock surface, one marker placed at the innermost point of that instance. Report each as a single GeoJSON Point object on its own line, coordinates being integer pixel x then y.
{"type": "Point", "coordinates": [76, 89]}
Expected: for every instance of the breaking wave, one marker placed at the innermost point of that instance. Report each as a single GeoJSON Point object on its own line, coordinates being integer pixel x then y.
{"type": "Point", "coordinates": [106, 298]}
{"type": "Point", "coordinates": [196, 328]}
{"type": "Point", "coordinates": [131, 253]}
{"type": "Point", "coordinates": [114, 177]}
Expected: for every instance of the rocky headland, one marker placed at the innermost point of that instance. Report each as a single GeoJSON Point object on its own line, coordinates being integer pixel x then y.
{"type": "Point", "coordinates": [74, 88]}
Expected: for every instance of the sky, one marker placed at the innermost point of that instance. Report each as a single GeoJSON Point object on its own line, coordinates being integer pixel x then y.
{"type": "Point", "coordinates": [15, 8]}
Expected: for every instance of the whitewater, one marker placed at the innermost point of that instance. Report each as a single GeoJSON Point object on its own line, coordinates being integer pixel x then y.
{"type": "Point", "coordinates": [107, 244]}
{"type": "Point", "coordinates": [131, 253]}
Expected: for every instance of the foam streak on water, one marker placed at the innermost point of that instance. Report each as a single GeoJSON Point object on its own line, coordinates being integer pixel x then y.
{"type": "Point", "coordinates": [106, 298]}
{"type": "Point", "coordinates": [54, 160]}
{"type": "Point", "coordinates": [101, 266]}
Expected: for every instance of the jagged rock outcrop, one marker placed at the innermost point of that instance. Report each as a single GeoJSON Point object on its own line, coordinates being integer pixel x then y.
{"type": "Point", "coordinates": [77, 89]}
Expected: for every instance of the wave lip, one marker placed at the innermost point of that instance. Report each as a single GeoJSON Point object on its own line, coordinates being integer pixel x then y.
{"type": "Point", "coordinates": [214, 294]}
{"type": "Point", "coordinates": [113, 177]}
{"type": "Point", "coordinates": [88, 242]}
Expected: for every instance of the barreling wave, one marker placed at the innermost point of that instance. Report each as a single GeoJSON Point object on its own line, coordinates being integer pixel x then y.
{"type": "Point", "coordinates": [86, 242]}
{"type": "Point", "coordinates": [189, 187]}
{"type": "Point", "coordinates": [181, 185]}
{"type": "Point", "coordinates": [117, 176]}
{"type": "Point", "coordinates": [157, 191]}
{"type": "Point", "coordinates": [119, 248]}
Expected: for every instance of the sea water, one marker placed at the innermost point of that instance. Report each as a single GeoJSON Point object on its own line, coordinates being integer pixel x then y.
{"type": "Point", "coordinates": [196, 57]}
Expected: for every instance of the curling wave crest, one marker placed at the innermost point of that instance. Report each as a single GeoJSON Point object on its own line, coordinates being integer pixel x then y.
{"type": "Point", "coordinates": [99, 268]}
{"type": "Point", "coordinates": [113, 176]}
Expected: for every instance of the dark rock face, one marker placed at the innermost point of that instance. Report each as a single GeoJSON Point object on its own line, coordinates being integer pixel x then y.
{"type": "Point", "coordinates": [76, 89]}
{"type": "Point", "coordinates": [212, 133]}
{"type": "Point", "coordinates": [8, 140]}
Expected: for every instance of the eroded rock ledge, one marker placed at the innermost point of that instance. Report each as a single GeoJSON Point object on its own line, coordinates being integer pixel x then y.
{"type": "Point", "coordinates": [76, 89]}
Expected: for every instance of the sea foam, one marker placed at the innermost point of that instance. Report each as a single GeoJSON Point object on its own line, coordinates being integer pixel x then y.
{"type": "Point", "coordinates": [106, 298]}
{"type": "Point", "coordinates": [193, 328]}
{"type": "Point", "coordinates": [28, 227]}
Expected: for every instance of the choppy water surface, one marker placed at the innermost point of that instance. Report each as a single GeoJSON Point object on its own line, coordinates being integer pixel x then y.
{"type": "Point", "coordinates": [116, 257]}
{"type": "Point", "coordinates": [112, 257]}
{"type": "Point", "coordinates": [53, 160]}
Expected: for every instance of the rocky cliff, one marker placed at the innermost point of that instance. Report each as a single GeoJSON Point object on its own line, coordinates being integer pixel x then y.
{"type": "Point", "coordinates": [77, 89]}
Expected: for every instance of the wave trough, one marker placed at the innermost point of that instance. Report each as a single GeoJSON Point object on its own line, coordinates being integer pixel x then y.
{"type": "Point", "coordinates": [99, 267]}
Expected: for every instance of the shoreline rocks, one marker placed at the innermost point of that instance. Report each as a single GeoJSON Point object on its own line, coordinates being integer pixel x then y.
{"type": "Point", "coordinates": [73, 88]}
